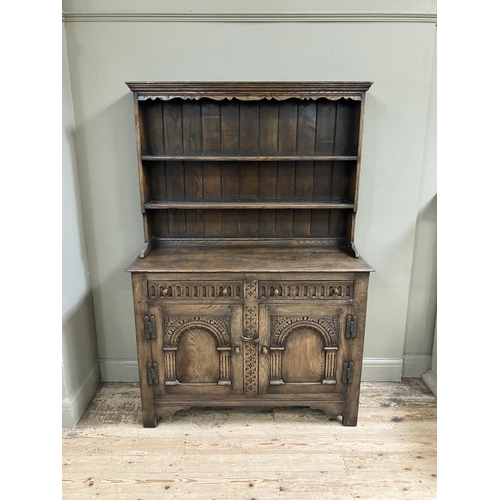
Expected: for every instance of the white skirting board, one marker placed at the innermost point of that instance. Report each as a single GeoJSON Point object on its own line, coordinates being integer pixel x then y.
{"type": "Point", "coordinates": [415, 365]}
{"type": "Point", "coordinates": [374, 369]}
{"type": "Point", "coordinates": [73, 407]}
{"type": "Point", "coordinates": [119, 370]}
{"type": "Point", "coordinates": [430, 379]}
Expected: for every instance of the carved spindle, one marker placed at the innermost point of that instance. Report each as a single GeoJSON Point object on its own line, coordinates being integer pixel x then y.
{"type": "Point", "coordinates": [224, 366]}
{"type": "Point", "coordinates": [275, 365]}
{"type": "Point", "coordinates": [330, 365]}
{"type": "Point", "coordinates": [170, 368]}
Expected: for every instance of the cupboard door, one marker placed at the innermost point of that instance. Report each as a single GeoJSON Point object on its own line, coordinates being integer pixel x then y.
{"type": "Point", "coordinates": [302, 350]}
{"type": "Point", "coordinates": [199, 348]}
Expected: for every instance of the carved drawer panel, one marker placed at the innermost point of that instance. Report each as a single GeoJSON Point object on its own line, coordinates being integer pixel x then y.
{"type": "Point", "coordinates": [323, 290]}
{"type": "Point", "coordinates": [196, 290]}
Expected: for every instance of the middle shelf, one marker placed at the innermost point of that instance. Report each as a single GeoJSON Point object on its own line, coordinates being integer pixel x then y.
{"type": "Point", "coordinates": [251, 205]}
{"type": "Point", "coordinates": [251, 158]}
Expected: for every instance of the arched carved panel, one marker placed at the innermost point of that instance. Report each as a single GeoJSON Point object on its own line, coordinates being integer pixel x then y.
{"type": "Point", "coordinates": [313, 342]}
{"type": "Point", "coordinates": [197, 350]}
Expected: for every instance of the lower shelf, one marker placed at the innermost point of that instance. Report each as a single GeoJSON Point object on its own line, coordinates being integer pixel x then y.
{"type": "Point", "coordinates": [249, 205]}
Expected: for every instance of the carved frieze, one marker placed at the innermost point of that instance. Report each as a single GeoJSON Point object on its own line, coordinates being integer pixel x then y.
{"type": "Point", "coordinates": [330, 290]}
{"type": "Point", "coordinates": [194, 290]}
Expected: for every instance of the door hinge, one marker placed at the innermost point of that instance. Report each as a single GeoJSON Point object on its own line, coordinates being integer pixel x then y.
{"type": "Point", "coordinates": [150, 327]}
{"type": "Point", "coordinates": [153, 373]}
{"type": "Point", "coordinates": [347, 372]}
{"type": "Point", "coordinates": [351, 326]}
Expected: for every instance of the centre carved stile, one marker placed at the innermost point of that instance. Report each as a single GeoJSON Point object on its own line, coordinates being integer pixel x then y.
{"type": "Point", "coordinates": [251, 337]}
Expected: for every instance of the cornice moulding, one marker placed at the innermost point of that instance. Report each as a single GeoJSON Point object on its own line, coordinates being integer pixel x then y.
{"type": "Point", "coordinates": [251, 17]}
{"type": "Point", "coordinates": [248, 91]}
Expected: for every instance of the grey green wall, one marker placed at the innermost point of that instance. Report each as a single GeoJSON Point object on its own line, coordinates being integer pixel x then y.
{"type": "Point", "coordinates": [80, 367]}
{"type": "Point", "coordinates": [393, 46]}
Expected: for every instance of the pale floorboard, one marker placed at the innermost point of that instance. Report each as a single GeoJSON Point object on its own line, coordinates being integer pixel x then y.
{"type": "Point", "coordinates": [255, 453]}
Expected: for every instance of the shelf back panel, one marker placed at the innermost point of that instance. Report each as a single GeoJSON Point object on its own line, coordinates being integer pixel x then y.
{"type": "Point", "coordinates": [262, 128]}
{"type": "Point", "coordinates": [267, 223]}
{"type": "Point", "coordinates": [252, 181]}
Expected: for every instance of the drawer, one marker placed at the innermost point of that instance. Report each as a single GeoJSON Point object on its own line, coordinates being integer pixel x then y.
{"type": "Point", "coordinates": [195, 290]}
{"type": "Point", "coordinates": [313, 290]}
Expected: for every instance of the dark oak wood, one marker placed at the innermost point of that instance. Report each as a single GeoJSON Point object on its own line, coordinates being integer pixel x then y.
{"type": "Point", "coordinates": [251, 258]}
{"type": "Point", "coordinates": [250, 289]}
{"type": "Point", "coordinates": [277, 157]}
{"type": "Point", "coordinates": [199, 205]}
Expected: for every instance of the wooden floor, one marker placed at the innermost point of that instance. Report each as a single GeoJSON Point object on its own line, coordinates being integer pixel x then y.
{"type": "Point", "coordinates": [254, 453]}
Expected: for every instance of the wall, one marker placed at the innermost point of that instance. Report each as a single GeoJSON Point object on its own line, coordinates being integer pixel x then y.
{"type": "Point", "coordinates": [392, 45]}
{"type": "Point", "coordinates": [80, 367]}
{"type": "Point", "coordinates": [422, 298]}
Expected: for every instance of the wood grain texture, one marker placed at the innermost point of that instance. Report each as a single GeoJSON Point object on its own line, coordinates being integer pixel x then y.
{"type": "Point", "coordinates": [245, 204]}
{"type": "Point", "coordinates": [252, 258]}
{"type": "Point", "coordinates": [303, 359]}
{"type": "Point", "coordinates": [197, 357]}
{"type": "Point", "coordinates": [282, 452]}
{"type": "Point", "coordinates": [243, 157]}
{"type": "Point", "coordinates": [144, 353]}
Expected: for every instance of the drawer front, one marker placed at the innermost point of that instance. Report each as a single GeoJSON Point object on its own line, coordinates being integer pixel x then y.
{"type": "Point", "coordinates": [304, 290]}
{"type": "Point", "coordinates": [159, 290]}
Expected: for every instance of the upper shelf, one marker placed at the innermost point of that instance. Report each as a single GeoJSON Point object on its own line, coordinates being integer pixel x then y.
{"type": "Point", "coordinates": [246, 158]}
